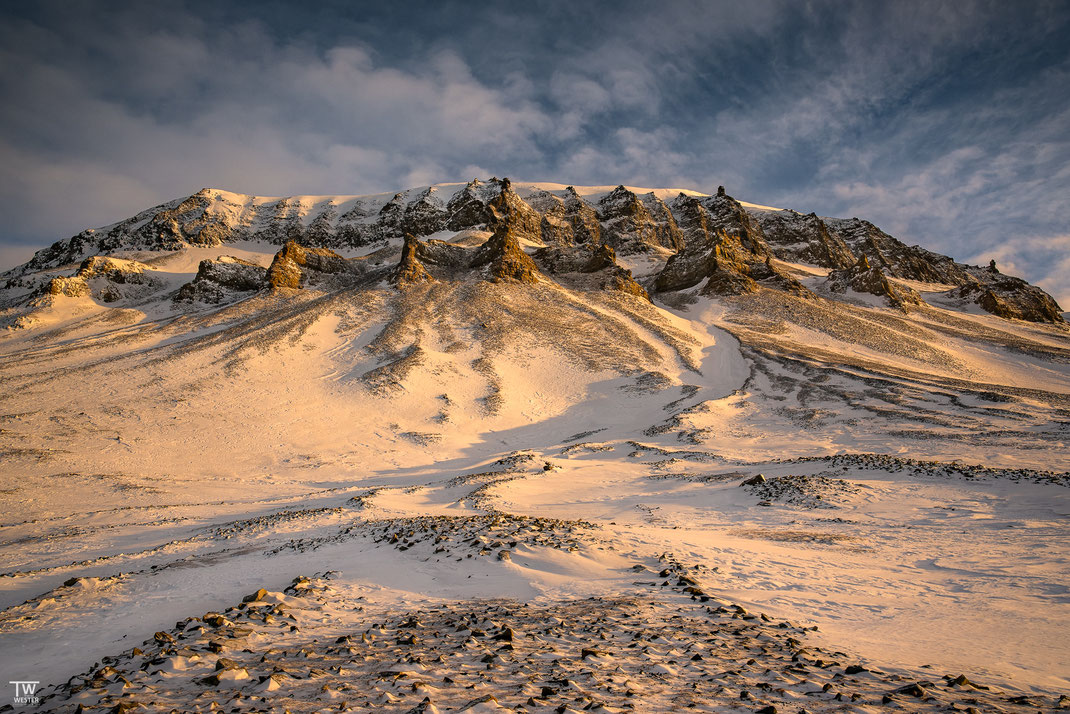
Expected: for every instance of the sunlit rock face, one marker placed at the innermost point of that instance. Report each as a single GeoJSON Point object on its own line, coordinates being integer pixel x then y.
{"type": "Point", "coordinates": [686, 239]}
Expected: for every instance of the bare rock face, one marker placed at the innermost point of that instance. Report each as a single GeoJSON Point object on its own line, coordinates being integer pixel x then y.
{"type": "Point", "coordinates": [865, 278]}
{"type": "Point", "coordinates": [711, 239]}
{"type": "Point", "coordinates": [725, 247]}
{"type": "Point", "coordinates": [509, 210]}
{"type": "Point", "coordinates": [582, 218]}
{"type": "Point", "coordinates": [468, 208]}
{"type": "Point", "coordinates": [295, 264]}
{"type": "Point", "coordinates": [425, 214]}
{"type": "Point", "coordinates": [117, 271]}
{"type": "Point", "coordinates": [390, 217]}
{"type": "Point", "coordinates": [554, 228]}
{"type": "Point", "coordinates": [591, 267]}
{"type": "Point", "coordinates": [1009, 297]}
{"type": "Point", "coordinates": [621, 280]}
{"type": "Point", "coordinates": [505, 258]}
{"type": "Point", "coordinates": [629, 227]}
{"type": "Point", "coordinates": [216, 280]}
{"type": "Point", "coordinates": [727, 271]}
{"type": "Point", "coordinates": [802, 238]}
{"type": "Point", "coordinates": [666, 232]}
{"type": "Point", "coordinates": [410, 271]}
{"type": "Point", "coordinates": [894, 257]}
{"type": "Point", "coordinates": [99, 277]}
{"type": "Point", "coordinates": [694, 221]}
{"type": "Point", "coordinates": [723, 260]}
{"type": "Point", "coordinates": [728, 215]}
{"type": "Point", "coordinates": [74, 286]}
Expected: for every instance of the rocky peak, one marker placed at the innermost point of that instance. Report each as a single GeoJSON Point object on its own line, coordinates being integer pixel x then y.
{"type": "Point", "coordinates": [410, 270]}
{"type": "Point", "coordinates": [555, 227]}
{"type": "Point", "coordinates": [665, 228]}
{"type": "Point", "coordinates": [582, 219]}
{"type": "Point", "coordinates": [391, 215]}
{"type": "Point", "coordinates": [1008, 297]}
{"type": "Point", "coordinates": [693, 220]}
{"type": "Point", "coordinates": [508, 209]}
{"type": "Point", "coordinates": [628, 226]}
{"type": "Point", "coordinates": [704, 238]}
{"type": "Point", "coordinates": [799, 238]}
{"type": "Point", "coordinates": [505, 258]}
{"type": "Point", "coordinates": [425, 214]}
{"type": "Point", "coordinates": [894, 257]}
{"type": "Point", "coordinates": [727, 214]}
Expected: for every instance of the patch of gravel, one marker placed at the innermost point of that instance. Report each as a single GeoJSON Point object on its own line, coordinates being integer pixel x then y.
{"type": "Point", "coordinates": [671, 650]}
{"type": "Point", "coordinates": [801, 490]}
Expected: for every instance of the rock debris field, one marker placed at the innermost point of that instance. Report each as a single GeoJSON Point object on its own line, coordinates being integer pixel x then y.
{"type": "Point", "coordinates": [669, 647]}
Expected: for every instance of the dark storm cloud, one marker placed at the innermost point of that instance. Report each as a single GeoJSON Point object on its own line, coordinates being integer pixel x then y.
{"type": "Point", "coordinates": [945, 123]}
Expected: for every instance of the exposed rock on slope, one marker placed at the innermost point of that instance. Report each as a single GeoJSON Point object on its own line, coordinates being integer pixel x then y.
{"type": "Point", "coordinates": [732, 248]}
{"type": "Point", "coordinates": [468, 207]}
{"type": "Point", "coordinates": [99, 277]}
{"type": "Point", "coordinates": [1009, 297]}
{"type": "Point", "coordinates": [295, 265]}
{"type": "Point", "coordinates": [589, 267]}
{"type": "Point", "coordinates": [864, 278]}
{"type": "Point", "coordinates": [410, 270]}
{"type": "Point", "coordinates": [629, 226]}
{"type": "Point", "coordinates": [804, 239]}
{"type": "Point", "coordinates": [722, 246]}
{"type": "Point", "coordinates": [216, 279]}
{"type": "Point", "coordinates": [510, 211]}
{"type": "Point", "coordinates": [504, 258]}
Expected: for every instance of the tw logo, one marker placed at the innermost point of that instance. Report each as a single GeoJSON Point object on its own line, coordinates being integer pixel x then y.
{"type": "Point", "coordinates": [25, 692]}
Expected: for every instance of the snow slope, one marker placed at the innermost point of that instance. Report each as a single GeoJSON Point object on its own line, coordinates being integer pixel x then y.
{"type": "Point", "coordinates": [503, 452]}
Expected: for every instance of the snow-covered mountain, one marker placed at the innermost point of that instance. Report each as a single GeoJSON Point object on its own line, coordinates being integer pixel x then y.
{"type": "Point", "coordinates": [547, 444]}
{"type": "Point", "coordinates": [673, 239]}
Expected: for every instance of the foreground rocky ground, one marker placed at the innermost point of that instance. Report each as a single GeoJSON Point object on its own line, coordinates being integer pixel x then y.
{"type": "Point", "coordinates": [669, 647]}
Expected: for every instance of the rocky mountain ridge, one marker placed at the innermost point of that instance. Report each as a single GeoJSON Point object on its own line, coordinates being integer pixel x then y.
{"type": "Point", "coordinates": [677, 242]}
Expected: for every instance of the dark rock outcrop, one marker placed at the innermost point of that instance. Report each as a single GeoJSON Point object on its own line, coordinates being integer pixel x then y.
{"type": "Point", "coordinates": [1009, 297]}
{"type": "Point", "coordinates": [468, 208]}
{"type": "Point", "coordinates": [727, 214]}
{"type": "Point", "coordinates": [74, 286]}
{"type": "Point", "coordinates": [865, 278]}
{"type": "Point", "coordinates": [98, 276]}
{"type": "Point", "coordinates": [425, 214]}
{"type": "Point", "coordinates": [802, 238]}
{"type": "Point", "coordinates": [591, 266]}
{"type": "Point", "coordinates": [504, 259]}
{"type": "Point", "coordinates": [628, 226]}
{"type": "Point", "coordinates": [410, 270]}
{"type": "Point", "coordinates": [217, 279]}
{"type": "Point", "coordinates": [509, 210]}
{"type": "Point", "coordinates": [893, 256]}
{"type": "Point", "coordinates": [582, 219]}
{"type": "Point", "coordinates": [295, 264]}
{"type": "Point", "coordinates": [694, 239]}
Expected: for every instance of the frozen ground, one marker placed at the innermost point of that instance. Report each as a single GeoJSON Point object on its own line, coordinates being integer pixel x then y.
{"type": "Point", "coordinates": [533, 494]}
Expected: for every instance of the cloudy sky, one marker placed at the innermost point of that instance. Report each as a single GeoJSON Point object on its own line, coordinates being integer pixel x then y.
{"type": "Point", "coordinates": [947, 124]}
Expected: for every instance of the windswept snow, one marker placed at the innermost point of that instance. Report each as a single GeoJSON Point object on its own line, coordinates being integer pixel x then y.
{"type": "Point", "coordinates": [501, 495]}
